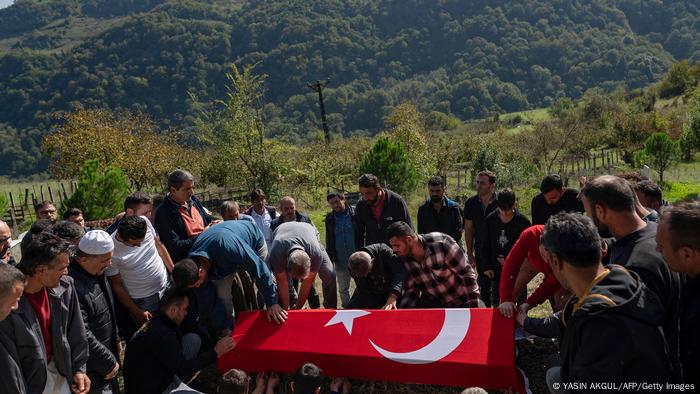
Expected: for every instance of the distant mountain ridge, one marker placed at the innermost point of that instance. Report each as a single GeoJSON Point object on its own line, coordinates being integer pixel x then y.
{"type": "Point", "coordinates": [468, 59]}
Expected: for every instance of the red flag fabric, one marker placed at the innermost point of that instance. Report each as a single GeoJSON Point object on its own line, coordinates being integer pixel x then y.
{"type": "Point", "coordinates": [453, 347]}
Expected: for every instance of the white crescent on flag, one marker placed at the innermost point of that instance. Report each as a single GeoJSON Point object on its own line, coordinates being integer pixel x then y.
{"type": "Point", "coordinates": [452, 333]}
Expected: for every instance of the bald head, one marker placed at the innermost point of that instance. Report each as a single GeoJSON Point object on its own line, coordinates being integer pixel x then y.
{"type": "Point", "coordinates": [288, 207]}
{"type": "Point", "coordinates": [360, 264]}
{"type": "Point", "coordinates": [610, 191]}
{"type": "Point", "coordinates": [230, 210]}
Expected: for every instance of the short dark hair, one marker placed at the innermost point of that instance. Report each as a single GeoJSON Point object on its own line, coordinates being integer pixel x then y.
{"type": "Point", "coordinates": [185, 273]}
{"type": "Point", "coordinates": [43, 204]}
{"type": "Point", "coordinates": [505, 199]}
{"type": "Point", "coordinates": [71, 212]}
{"type": "Point", "coordinates": [257, 194]}
{"type": "Point", "coordinates": [333, 195]}
{"type": "Point", "coordinates": [172, 296]}
{"type": "Point", "coordinates": [611, 191]}
{"type": "Point", "coordinates": [307, 379]}
{"type": "Point", "coordinates": [574, 238]}
{"type": "Point", "coordinates": [132, 227]}
{"type": "Point", "coordinates": [551, 182]}
{"type": "Point", "coordinates": [135, 199]}
{"type": "Point", "coordinates": [489, 174]}
{"type": "Point", "coordinates": [399, 229]}
{"type": "Point", "coordinates": [36, 228]}
{"type": "Point", "coordinates": [650, 190]}
{"type": "Point", "coordinates": [234, 381]}
{"type": "Point", "coordinates": [178, 177]}
{"type": "Point", "coordinates": [682, 218]}
{"type": "Point", "coordinates": [9, 276]}
{"type": "Point", "coordinates": [158, 199]}
{"type": "Point", "coordinates": [67, 230]}
{"type": "Point", "coordinates": [436, 181]}
{"type": "Point", "coordinates": [369, 180]}
{"type": "Point", "coordinates": [43, 249]}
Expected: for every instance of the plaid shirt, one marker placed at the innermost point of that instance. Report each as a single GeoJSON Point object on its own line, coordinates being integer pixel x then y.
{"type": "Point", "coordinates": [444, 274]}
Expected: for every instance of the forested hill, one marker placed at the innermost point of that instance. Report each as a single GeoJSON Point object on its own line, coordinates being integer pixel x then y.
{"type": "Point", "coordinates": [467, 59]}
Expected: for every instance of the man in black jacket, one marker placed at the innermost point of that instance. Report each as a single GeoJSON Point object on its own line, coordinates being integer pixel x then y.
{"type": "Point", "coordinates": [159, 358]}
{"type": "Point", "coordinates": [609, 300]}
{"type": "Point", "coordinates": [47, 328]}
{"type": "Point", "coordinates": [340, 240]}
{"type": "Point", "coordinates": [87, 268]}
{"type": "Point", "coordinates": [379, 275]}
{"type": "Point", "coordinates": [440, 214]}
{"type": "Point", "coordinates": [610, 202]}
{"type": "Point", "coordinates": [288, 207]}
{"type": "Point", "coordinates": [11, 288]}
{"type": "Point", "coordinates": [501, 230]}
{"type": "Point", "coordinates": [678, 240]}
{"type": "Point", "coordinates": [554, 198]}
{"type": "Point", "coordinates": [378, 209]}
{"type": "Point", "coordinates": [181, 217]}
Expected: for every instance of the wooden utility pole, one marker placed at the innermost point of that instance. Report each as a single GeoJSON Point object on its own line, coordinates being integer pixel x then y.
{"type": "Point", "coordinates": [318, 87]}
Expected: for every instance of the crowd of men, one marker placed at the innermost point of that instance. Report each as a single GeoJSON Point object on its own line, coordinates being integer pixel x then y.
{"type": "Point", "coordinates": [167, 279]}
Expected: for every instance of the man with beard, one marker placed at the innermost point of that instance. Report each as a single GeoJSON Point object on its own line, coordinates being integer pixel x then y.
{"type": "Point", "coordinates": [439, 213]}
{"type": "Point", "coordinates": [438, 273]}
{"type": "Point", "coordinates": [93, 257]}
{"type": "Point", "coordinates": [680, 247]}
{"type": "Point", "coordinates": [610, 202]}
{"type": "Point", "coordinates": [378, 209]}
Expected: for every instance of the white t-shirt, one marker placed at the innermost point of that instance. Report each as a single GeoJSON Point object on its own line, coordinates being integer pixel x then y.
{"type": "Point", "coordinates": [141, 268]}
{"type": "Point", "coordinates": [263, 222]}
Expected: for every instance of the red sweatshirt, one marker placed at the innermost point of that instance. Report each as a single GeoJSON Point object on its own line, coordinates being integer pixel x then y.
{"type": "Point", "coordinates": [528, 245]}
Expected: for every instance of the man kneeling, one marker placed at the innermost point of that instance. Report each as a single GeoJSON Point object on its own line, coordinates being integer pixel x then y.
{"type": "Point", "coordinates": [379, 275]}
{"type": "Point", "coordinates": [158, 359]}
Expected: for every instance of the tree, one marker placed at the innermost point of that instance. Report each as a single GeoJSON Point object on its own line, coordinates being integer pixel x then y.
{"type": "Point", "coordinates": [661, 152]}
{"type": "Point", "coordinates": [406, 125]}
{"type": "Point", "coordinates": [100, 193]}
{"type": "Point", "coordinates": [235, 131]}
{"type": "Point", "coordinates": [128, 141]}
{"type": "Point", "coordinates": [690, 138]}
{"type": "Point", "coordinates": [388, 160]}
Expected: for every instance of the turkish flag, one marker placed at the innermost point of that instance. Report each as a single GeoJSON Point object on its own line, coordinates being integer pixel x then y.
{"type": "Point", "coordinates": [452, 347]}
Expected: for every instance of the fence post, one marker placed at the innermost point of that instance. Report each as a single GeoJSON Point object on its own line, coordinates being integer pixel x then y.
{"type": "Point", "coordinates": [13, 218]}
{"type": "Point", "coordinates": [63, 188]}
{"type": "Point", "coordinates": [50, 193]}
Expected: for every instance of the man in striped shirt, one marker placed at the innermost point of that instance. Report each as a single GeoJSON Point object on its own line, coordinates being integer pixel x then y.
{"type": "Point", "coordinates": [439, 275]}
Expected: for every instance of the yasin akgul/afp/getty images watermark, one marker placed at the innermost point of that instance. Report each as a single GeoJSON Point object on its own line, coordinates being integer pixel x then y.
{"type": "Point", "coordinates": [626, 386]}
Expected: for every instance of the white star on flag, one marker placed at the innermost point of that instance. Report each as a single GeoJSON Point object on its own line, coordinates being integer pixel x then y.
{"type": "Point", "coordinates": [346, 317]}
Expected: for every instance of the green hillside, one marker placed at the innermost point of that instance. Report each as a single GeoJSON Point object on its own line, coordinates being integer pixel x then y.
{"type": "Point", "coordinates": [469, 59]}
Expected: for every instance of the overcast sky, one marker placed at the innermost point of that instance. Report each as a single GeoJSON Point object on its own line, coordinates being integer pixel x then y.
{"type": "Point", "coordinates": [5, 3]}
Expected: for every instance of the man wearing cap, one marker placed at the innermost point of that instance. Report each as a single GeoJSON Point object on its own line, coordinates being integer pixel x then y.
{"type": "Point", "coordinates": [87, 268]}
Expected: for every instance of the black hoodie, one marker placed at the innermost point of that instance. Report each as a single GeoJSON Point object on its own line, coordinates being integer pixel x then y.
{"type": "Point", "coordinates": [613, 334]}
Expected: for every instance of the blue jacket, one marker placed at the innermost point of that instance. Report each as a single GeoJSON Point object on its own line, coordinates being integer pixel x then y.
{"type": "Point", "coordinates": [231, 246]}
{"type": "Point", "coordinates": [171, 228]}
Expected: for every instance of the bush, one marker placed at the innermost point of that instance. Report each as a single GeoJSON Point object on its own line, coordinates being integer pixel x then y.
{"type": "Point", "coordinates": [100, 194]}
{"type": "Point", "coordinates": [389, 161]}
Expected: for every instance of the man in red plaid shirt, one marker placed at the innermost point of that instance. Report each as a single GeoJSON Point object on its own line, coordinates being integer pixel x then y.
{"type": "Point", "coordinates": [439, 275]}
